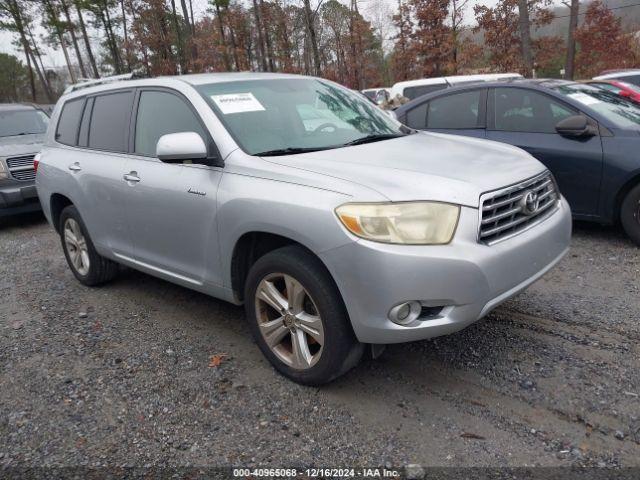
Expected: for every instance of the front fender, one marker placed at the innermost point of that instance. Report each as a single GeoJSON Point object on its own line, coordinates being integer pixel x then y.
{"type": "Point", "coordinates": [301, 213]}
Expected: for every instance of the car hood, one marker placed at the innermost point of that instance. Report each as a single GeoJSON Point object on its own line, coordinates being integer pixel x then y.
{"type": "Point", "coordinates": [423, 166]}
{"type": "Point", "coordinates": [20, 144]}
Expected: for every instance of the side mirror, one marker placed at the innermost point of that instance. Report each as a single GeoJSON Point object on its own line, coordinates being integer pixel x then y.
{"type": "Point", "coordinates": [178, 147]}
{"type": "Point", "coordinates": [576, 126]}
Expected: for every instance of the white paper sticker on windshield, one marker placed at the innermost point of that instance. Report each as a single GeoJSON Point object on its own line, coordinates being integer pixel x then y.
{"type": "Point", "coordinates": [584, 98]}
{"type": "Point", "coordinates": [237, 103]}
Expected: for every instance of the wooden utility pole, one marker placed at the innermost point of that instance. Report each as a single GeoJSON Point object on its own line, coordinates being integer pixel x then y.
{"type": "Point", "coordinates": [574, 7]}
{"type": "Point", "coordinates": [311, 29]}
{"type": "Point", "coordinates": [525, 36]}
{"type": "Point", "coordinates": [261, 51]}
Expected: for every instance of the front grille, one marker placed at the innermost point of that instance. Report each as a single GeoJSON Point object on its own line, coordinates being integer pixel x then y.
{"type": "Point", "coordinates": [24, 175]}
{"type": "Point", "coordinates": [21, 168]}
{"type": "Point", "coordinates": [506, 212]}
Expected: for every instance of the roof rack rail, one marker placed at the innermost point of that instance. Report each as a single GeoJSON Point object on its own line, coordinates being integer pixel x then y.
{"type": "Point", "coordinates": [86, 83]}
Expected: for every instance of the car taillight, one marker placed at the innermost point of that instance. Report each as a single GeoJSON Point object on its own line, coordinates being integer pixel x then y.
{"type": "Point", "coordinates": [36, 162]}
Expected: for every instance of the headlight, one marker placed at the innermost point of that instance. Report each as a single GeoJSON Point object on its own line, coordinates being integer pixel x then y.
{"type": "Point", "coordinates": [413, 223]}
{"type": "Point", "coordinates": [3, 171]}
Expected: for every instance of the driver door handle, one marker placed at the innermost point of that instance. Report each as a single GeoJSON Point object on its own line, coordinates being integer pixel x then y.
{"type": "Point", "coordinates": [131, 177]}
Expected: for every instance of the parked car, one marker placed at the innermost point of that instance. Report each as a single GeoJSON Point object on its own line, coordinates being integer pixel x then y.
{"type": "Point", "coordinates": [624, 89]}
{"type": "Point", "coordinates": [22, 129]}
{"type": "Point", "coordinates": [332, 237]}
{"type": "Point", "coordinates": [586, 136]}
{"type": "Point", "coordinates": [411, 89]}
{"type": "Point", "coordinates": [629, 75]}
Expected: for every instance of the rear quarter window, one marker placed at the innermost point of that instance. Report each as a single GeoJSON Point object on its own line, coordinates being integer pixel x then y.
{"type": "Point", "coordinates": [69, 121]}
{"type": "Point", "coordinates": [417, 116]}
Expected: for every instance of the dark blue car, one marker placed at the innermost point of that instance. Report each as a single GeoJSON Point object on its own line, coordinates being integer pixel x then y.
{"type": "Point", "coordinates": [588, 137]}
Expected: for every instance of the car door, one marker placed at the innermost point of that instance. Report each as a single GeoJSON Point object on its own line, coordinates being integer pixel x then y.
{"type": "Point", "coordinates": [171, 207]}
{"type": "Point", "coordinates": [97, 162]}
{"type": "Point", "coordinates": [527, 119]}
{"type": "Point", "coordinates": [459, 113]}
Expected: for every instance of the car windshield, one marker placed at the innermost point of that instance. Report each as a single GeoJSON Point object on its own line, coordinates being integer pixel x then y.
{"type": "Point", "coordinates": [619, 111]}
{"type": "Point", "coordinates": [294, 115]}
{"type": "Point", "coordinates": [22, 122]}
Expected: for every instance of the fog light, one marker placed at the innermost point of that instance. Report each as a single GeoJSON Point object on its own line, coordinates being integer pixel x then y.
{"type": "Point", "coordinates": [405, 313]}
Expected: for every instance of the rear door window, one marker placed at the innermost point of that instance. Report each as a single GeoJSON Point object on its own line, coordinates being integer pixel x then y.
{"type": "Point", "coordinates": [457, 111]}
{"type": "Point", "coordinates": [109, 127]}
{"type": "Point", "coordinates": [67, 128]}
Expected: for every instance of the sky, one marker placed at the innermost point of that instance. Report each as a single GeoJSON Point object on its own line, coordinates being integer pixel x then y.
{"type": "Point", "coordinates": [377, 11]}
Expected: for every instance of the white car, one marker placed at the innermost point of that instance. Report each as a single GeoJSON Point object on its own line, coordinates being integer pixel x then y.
{"type": "Point", "coordinates": [629, 75]}
{"type": "Point", "coordinates": [415, 88]}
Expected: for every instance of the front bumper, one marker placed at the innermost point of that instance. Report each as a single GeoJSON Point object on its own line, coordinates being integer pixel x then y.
{"type": "Point", "coordinates": [466, 278]}
{"type": "Point", "coordinates": [16, 198]}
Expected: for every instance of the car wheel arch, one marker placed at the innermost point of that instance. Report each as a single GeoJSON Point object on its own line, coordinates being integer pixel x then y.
{"type": "Point", "coordinates": [58, 203]}
{"type": "Point", "coordinates": [622, 193]}
{"type": "Point", "coordinates": [251, 246]}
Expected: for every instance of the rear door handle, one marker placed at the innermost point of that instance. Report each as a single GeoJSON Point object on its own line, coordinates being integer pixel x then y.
{"type": "Point", "coordinates": [131, 177]}
{"type": "Point", "coordinates": [75, 167]}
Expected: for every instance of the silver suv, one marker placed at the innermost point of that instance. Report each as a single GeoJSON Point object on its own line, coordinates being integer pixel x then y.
{"type": "Point", "coordinates": [336, 226]}
{"type": "Point", "coordinates": [22, 129]}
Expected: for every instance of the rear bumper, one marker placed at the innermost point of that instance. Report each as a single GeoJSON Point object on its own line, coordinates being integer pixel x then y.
{"type": "Point", "coordinates": [16, 198]}
{"type": "Point", "coordinates": [467, 279]}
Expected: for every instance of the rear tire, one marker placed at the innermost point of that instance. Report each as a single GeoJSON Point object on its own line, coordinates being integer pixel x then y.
{"type": "Point", "coordinates": [309, 334]}
{"type": "Point", "coordinates": [630, 214]}
{"type": "Point", "coordinates": [84, 261]}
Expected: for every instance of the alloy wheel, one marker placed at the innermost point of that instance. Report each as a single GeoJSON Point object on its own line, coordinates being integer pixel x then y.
{"type": "Point", "coordinates": [289, 321]}
{"type": "Point", "coordinates": [76, 246]}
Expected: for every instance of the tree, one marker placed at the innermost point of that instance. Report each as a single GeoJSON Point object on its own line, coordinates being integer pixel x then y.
{"type": "Point", "coordinates": [85, 37]}
{"type": "Point", "coordinates": [503, 33]}
{"type": "Point", "coordinates": [101, 10]}
{"type": "Point", "coordinates": [152, 34]}
{"type": "Point", "coordinates": [13, 79]}
{"type": "Point", "coordinates": [402, 56]}
{"type": "Point", "coordinates": [14, 17]}
{"type": "Point", "coordinates": [71, 28]}
{"type": "Point", "coordinates": [179, 38]}
{"type": "Point", "coordinates": [457, 9]}
{"type": "Point", "coordinates": [603, 44]}
{"type": "Point", "coordinates": [53, 22]}
{"type": "Point", "coordinates": [431, 36]}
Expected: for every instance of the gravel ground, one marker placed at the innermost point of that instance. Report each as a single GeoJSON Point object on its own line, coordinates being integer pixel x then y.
{"type": "Point", "coordinates": [120, 375]}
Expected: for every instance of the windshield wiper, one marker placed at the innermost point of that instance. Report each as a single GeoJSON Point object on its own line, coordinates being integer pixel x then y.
{"type": "Point", "coordinates": [290, 151]}
{"type": "Point", "coordinates": [22, 133]}
{"type": "Point", "coordinates": [374, 138]}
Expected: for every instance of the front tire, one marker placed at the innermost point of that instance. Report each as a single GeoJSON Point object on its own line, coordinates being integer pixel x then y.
{"type": "Point", "coordinates": [298, 318]}
{"type": "Point", "coordinates": [630, 214]}
{"type": "Point", "coordinates": [84, 261]}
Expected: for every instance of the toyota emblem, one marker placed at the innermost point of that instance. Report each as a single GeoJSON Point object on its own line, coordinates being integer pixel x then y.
{"type": "Point", "coordinates": [529, 203]}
